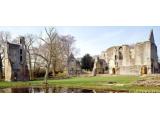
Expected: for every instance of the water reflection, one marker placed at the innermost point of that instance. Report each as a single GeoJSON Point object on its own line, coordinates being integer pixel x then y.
{"type": "Point", "coordinates": [45, 90]}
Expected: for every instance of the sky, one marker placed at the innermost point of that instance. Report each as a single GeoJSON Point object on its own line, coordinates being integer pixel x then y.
{"type": "Point", "coordinates": [95, 39]}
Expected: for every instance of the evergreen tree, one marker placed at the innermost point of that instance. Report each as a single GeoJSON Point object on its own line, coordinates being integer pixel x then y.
{"type": "Point", "coordinates": [87, 62]}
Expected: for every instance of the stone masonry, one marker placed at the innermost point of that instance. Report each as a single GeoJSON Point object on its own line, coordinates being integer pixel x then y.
{"type": "Point", "coordinates": [16, 68]}
{"type": "Point", "coordinates": [137, 59]}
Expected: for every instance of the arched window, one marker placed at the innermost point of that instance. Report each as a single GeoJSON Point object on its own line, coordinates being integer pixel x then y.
{"type": "Point", "coordinates": [115, 57]}
{"type": "Point", "coordinates": [120, 54]}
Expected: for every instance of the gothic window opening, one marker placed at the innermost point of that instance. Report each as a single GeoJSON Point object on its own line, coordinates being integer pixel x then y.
{"type": "Point", "coordinates": [20, 58]}
{"type": "Point", "coordinates": [113, 71]}
{"type": "Point", "coordinates": [20, 55]}
{"type": "Point", "coordinates": [120, 54]}
{"type": "Point", "coordinates": [20, 51]}
{"type": "Point", "coordinates": [115, 57]}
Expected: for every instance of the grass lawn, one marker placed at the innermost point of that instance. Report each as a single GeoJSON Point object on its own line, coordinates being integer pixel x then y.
{"type": "Point", "coordinates": [98, 83]}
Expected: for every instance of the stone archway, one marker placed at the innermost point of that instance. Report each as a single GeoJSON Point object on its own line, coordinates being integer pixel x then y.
{"type": "Point", "coordinates": [144, 70]}
{"type": "Point", "coordinates": [113, 71]}
{"type": "Point", "coordinates": [15, 75]}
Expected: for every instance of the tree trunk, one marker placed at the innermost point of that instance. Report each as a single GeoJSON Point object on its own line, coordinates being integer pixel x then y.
{"type": "Point", "coordinates": [53, 68]}
{"type": "Point", "coordinates": [53, 72]}
{"type": "Point", "coordinates": [67, 70]}
{"type": "Point", "coordinates": [30, 67]}
{"type": "Point", "coordinates": [46, 74]}
{"type": "Point", "coordinates": [34, 67]}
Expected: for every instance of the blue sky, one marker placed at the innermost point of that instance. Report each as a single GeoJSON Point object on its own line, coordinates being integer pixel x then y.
{"type": "Point", "coordinates": [94, 40]}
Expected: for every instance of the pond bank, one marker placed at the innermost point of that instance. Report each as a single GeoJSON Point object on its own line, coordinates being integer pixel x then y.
{"type": "Point", "coordinates": [99, 84]}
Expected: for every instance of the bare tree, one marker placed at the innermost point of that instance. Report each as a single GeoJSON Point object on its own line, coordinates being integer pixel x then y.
{"type": "Point", "coordinates": [52, 51]}
{"type": "Point", "coordinates": [67, 47]}
{"type": "Point", "coordinates": [34, 60]}
{"type": "Point", "coordinates": [29, 41]}
{"type": "Point", "coordinates": [57, 59]}
{"type": "Point", "coordinates": [45, 50]}
{"type": "Point", "coordinates": [4, 37]}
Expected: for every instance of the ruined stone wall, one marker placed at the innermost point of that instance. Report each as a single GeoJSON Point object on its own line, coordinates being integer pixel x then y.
{"type": "Point", "coordinates": [16, 68]}
{"type": "Point", "coordinates": [135, 58]}
{"type": "Point", "coordinates": [154, 59]}
{"type": "Point", "coordinates": [12, 65]}
{"type": "Point", "coordinates": [126, 56]}
{"type": "Point", "coordinates": [139, 53]}
{"type": "Point", "coordinates": [74, 67]}
{"type": "Point", "coordinates": [110, 59]}
{"type": "Point", "coordinates": [147, 56]}
{"type": "Point", "coordinates": [8, 68]}
{"type": "Point", "coordinates": [143, 55]}
{"type": "Point", "coordinates": [130, 70]}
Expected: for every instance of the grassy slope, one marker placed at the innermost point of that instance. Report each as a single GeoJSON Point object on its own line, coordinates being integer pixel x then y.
{"type": "Point", "coordinates": [121, 83]}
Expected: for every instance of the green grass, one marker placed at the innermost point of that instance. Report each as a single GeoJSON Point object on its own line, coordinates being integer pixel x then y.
{"type": "Point", "coordinates": [99, 83]}
{"type": "Point", "coordinates": [14, 84]}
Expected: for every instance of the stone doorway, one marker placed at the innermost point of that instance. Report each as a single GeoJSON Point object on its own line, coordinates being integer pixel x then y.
{"type": "Point", "coordinates": [15, 76]}
{"type": "Point", "coordinates": [113, 71]}
{"type": "Point", "coordinates": [144, 70]}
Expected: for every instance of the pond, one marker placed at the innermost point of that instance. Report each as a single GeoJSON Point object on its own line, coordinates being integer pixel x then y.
{"type": "Point", "coordinates": [45, 90]}
{"type": "Point", "coordinates": [55, 90]}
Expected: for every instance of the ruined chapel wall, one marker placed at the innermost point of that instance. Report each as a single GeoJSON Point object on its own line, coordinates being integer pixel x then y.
{"type": "Point", "coordinates": [135, 58]}
{"type": "Point", "coordinates": [143, 55]}
{"type": "Point", "coordinates": [130, 70]}
{"type": "Point", "coordinates": [147, 53]}
{"type": "Point", "coordinates": [111, 52]}
{"type": "Point", "coordinates": [13, 53]}
{"type": "Point", "coordinates": [154, 52]}
{"type": "Point", "coordinates": [7, 64]}
{"type": "Point", "coordinates": [154, 58]}
{"type": "Point", "coordinates": [126, 56]}
{"type": "Point", "coordinates": [139, 53]}
{"type": "Point", "coordinates": [15, 62]}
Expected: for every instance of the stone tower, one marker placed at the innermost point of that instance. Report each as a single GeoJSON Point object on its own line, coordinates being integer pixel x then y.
{"type": "Point", "coordinates": [153, 54]}
{"type": "Point", "coordinates": [16, 68]}
{"type": "Point", "coordinates": [151, 37]}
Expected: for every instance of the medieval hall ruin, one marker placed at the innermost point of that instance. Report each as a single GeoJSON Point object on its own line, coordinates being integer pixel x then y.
{"type": "Point", "coordinates": [137, 59]}
{"type": "Point", "coordinates": [15, 61]}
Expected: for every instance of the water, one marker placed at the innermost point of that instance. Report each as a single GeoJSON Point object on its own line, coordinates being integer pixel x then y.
{"type": "Point", "coordinates": [55, 90]}
{"type": "Point", "coordinates": [45, 90]}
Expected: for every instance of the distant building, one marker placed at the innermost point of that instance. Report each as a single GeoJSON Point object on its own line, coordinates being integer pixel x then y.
{"type": "Point", "coordinates": [140, 58]}
{"type": "Point", "coordinates": [74, 67]}
{"type": "Point", "coordinates": [99, 66]}
{"type": "Point", "coordinates": [16, 68]}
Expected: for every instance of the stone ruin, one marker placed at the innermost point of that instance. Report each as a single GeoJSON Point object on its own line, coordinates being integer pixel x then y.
{"type": "Point", "coordinates": [138, 59]}
{"type": "Point", "coordinates": [74, 67]}
{"type": "Point", "coordinates": [99, 66]}
{"type": "Point", "coordinates": [15, 63]}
